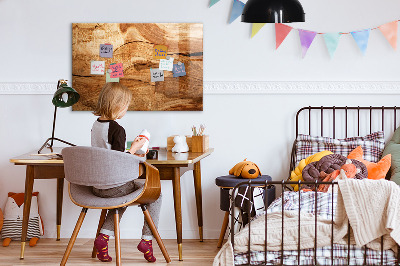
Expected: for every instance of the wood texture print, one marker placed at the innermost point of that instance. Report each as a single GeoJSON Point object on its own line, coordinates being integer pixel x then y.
{"type": "Point", "coordinates": [162, 63]}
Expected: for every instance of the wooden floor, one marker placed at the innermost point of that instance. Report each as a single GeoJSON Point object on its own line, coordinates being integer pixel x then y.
{"type": "Point", "coordinates": [50, 252]}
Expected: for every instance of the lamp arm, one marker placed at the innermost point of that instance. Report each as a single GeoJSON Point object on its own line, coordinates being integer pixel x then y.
{"type": "Point", "coordinates": [54, 126]}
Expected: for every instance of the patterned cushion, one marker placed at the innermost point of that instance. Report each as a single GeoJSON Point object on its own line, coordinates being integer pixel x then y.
{"type": "Point", "coordinates": [372, 144]}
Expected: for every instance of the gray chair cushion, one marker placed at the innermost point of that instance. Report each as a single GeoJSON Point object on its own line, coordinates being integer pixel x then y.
{"type": "Point", "coordinates": [99, 167]}
{"type": "Point", "coordinates": [84, 196]}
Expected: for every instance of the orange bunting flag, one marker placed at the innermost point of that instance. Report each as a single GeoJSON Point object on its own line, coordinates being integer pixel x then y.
{"type": "Point", "coordinates": [281, 31]}
{"type": "Point", "coordinates": [389, 30]}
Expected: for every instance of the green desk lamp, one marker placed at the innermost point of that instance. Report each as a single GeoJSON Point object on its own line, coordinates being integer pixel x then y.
{"type": "Point", "coordinates": [64, 97]}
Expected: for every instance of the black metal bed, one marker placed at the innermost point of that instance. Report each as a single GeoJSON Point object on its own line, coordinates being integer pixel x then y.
{"type": "Point", "coordinates": [377, 117]}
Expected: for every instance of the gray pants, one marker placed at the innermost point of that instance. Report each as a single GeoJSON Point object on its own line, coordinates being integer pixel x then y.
{"type": "Point", "coordinates": [154, 208]}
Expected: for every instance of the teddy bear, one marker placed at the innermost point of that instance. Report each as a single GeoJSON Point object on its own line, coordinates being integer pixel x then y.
{"type": "Point", "coordinates": [245, 169]}
{"type": "Point", "coordinates": [180, 144]}
{"type": "Point", "coordinates": [13, 215]}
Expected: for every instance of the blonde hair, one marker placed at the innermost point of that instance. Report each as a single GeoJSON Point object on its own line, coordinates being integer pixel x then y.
{"type": "Point", "coordinates": [112, 99]}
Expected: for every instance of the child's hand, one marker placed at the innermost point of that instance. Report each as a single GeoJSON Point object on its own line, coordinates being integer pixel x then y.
{"type": "Point", "coordinates": [137, 144]}
{"type": "Point", "coordinates": [143, 155]}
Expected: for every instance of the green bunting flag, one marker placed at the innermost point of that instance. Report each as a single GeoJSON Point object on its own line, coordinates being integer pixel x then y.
{"type": "Point", "coordinates": [213, 2]}
{"type": "Point", "coordinates": [332, 41]}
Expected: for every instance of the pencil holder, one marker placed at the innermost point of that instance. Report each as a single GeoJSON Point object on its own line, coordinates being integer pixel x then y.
{"type": "Point", "coordinates": [200, 143]}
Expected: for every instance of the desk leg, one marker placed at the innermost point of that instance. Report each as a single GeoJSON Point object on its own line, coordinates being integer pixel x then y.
{"type": "Point", "coordinates": [27, 206]}
{"type": "Point", "coordinates": [199, 204]}
{"type": "Point", "coordinates": [60, 190]}
{"type": "Point", "coordinates": [176, 182]}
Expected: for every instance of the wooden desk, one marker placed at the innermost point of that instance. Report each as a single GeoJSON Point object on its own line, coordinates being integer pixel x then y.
{"type": "Point", "coordinates": [171, 167]}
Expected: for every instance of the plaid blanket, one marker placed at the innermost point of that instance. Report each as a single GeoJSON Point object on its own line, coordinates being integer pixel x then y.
{"type": "Point", "coordinates": [323, 205]}
{"type": "Point", "coordinates": [340, 254]}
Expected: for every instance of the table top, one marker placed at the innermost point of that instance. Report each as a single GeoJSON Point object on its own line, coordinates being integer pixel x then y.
{"type": "Point", "coordinates": [164, 157]}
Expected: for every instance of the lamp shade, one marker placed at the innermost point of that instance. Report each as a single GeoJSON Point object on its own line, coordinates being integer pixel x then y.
{"type": "Point", "coordinates": [273, 11]}
{"type": "Point", "coordinates": [65, 96]}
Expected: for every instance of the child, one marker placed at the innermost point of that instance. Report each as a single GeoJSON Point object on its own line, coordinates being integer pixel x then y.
{"type": "Point", "coordinates": [112, 104]}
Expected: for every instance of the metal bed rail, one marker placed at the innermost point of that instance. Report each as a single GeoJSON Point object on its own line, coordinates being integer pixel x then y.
{"type": "Point", "coordinates": [359, 111]}
{"type": "Point", "coordinates": [265, 185]}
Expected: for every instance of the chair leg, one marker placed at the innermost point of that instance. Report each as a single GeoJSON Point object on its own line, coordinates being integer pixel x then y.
{"type": "Point", "coordinates": [73, 237]}
{"type": "Point", "coordinates": [101, 222]}
{"type": "Point", "coordinates": [223, 229]}
{"type": "Point", "coordinates": [117, 238]}
{"type": "Point", "coordinates": [154, 230]}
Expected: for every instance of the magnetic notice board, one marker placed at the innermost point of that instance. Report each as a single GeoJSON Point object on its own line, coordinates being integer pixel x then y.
{"type": "Point", "coordinates": [133, 45]}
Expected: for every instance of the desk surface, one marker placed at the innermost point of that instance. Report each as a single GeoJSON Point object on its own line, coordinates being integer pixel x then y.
{"type": "Point", "coordinates": [164, 157]}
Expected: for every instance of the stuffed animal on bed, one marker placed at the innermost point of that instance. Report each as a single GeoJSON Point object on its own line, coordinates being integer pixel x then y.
{"type": "Point", "coordinates": [377, 170]}
{"type": "Point", "coordinates": [245, 169]}
{"type": "Point", "coordinates": [13, 215]}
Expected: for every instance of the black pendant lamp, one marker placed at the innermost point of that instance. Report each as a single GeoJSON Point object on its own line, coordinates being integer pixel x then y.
{"type": "Point", "coordinates": [273, 11]}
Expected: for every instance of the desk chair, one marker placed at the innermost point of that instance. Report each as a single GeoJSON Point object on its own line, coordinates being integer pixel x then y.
{"type": "Point", "coordinates": [85, 167]}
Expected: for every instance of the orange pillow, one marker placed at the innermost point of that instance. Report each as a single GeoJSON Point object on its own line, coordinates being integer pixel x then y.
{"type": "Point", "coordinates": [375, 170]}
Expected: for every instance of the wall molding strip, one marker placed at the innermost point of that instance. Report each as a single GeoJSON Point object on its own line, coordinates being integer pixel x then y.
{"type": "Point", "coordinates": [245, 87]}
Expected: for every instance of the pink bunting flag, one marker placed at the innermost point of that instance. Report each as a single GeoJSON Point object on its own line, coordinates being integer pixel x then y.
{"type": "Point", "coordinates": [281, 31]}
{"type": "Point", "coordinates": [306, 39]}
{"type": "Point", "coordinates": [389, 30]}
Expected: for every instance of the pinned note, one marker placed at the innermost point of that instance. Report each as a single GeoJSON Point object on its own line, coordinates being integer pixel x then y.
{"type": "Point", "coordinates": [179, 70]}
{"type": "Point", "coordinates": [106, 50]}
{"type": "Point", "coordinates": [156, 74]}
{"type": "Point", "coordinates": [160, 51]}
{"type": "Point", "coordinates": [109, 79]}
{"type": "Point", "coordinates": [167, 64]}
{"type": "Point", "coordinates": [117, 70]}
{"type": "Point", "coordinates": [97, 67]}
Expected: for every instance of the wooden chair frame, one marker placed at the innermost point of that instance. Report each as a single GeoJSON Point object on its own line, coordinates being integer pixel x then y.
{"type": "Point", "coordinates": [150, 193]}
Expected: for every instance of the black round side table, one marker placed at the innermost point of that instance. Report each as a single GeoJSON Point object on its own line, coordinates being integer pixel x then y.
{"type": "Point", "coordinates": [226, 183]}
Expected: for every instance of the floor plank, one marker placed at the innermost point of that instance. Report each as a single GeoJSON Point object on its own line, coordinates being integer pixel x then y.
{"type": "Point", "coordinates": [50, 252]}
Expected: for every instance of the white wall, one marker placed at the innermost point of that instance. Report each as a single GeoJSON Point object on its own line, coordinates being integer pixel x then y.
{"type": "Point", "coordinates": [36, 47]}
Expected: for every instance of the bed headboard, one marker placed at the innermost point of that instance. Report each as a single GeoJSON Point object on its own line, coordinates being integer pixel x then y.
{"type": "Point", "coordinates": [344, 121]}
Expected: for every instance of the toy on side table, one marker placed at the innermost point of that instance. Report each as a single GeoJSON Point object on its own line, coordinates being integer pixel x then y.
{"type": "Point", "coordinates": [245, 169]}
{"type": "Point", "coordinates": [13, 215]}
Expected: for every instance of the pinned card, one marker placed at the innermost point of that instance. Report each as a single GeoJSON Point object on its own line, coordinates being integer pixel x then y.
{"type": "Point", "coordinates": [97, 67]}
{"type": "Point", "coordinates": [106, 50]}
{"type": "Point", "coordinates": [156, 74]}
{"type": "Point", "coordinates": [160, 51]}
{"type": "Point", "coordinates": [117, 70]}
{"type": "Point", "coordinates": [167, 64]}
{"type": "Point", "coordinates": [109, 79]}
{"type": "Point", "coordinates": [179, 70]}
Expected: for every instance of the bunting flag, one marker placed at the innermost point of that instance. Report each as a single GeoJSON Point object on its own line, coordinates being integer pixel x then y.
{"type": "Point", "coordinates": [237, 9]}
{"type": "Point", "coordinates": [361, 37]}
{"type": "Point", "coordinates": [281, 31]}
{"type": "Point", "coordinates": [213, 2]}
{"type": "Point", "coordinates": [306, 39]}
{"type": "Point", "coordinates": [256, 28]}
{"type": "Point", "coordinates": [389, 30]}
{"type": "Point", "coordinates": [332, 41]}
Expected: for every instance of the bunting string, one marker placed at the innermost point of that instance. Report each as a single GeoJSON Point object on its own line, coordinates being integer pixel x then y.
{"type": "Point", "coordinates": [343, 33]}
{"type": "Point", "coordinates": [361, 37]}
